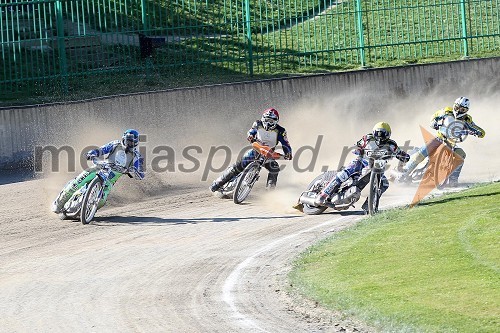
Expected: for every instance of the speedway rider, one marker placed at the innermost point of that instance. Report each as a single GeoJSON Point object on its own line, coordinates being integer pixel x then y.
{"type": "Point", "coordinates": [121, 153]}
{"type": "Point", "coordinates": [452, 125]}
{"type": "Point", "coordinates": [269, 133]}
{"type": "Point", "coordinates": [378, 139]}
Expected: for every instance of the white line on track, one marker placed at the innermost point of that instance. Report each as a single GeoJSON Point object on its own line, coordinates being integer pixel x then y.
{"type": "Point", "coordinates": [234, 278]}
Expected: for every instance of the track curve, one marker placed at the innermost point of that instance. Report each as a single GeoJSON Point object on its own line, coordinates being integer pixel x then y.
{"type": "Point", "coordinates": [185, 262]}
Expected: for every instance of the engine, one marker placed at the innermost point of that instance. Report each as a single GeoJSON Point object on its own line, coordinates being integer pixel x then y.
{"type": "Point", "coordinates": [347, 197]}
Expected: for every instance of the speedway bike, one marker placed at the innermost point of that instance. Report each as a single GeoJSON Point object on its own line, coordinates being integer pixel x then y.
{"type": "Point", "coordinates": [241, 185]}
{"type": "Point", "coordinates": [349, 191]}
{"type": "Point", "coordinates": [84, 203]}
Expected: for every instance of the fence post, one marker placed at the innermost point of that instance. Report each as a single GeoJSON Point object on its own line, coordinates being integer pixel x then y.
{"type": "Point", "coordinates": [144, 17]}
{"type": "Point", "coordinates": [249, 36]}
{"type": "Point", "coordinates": [359, 18]}
{"type": "Point", "coordinates": [60, 45]}
{"type": "Point", "coordinates": [464, 29]}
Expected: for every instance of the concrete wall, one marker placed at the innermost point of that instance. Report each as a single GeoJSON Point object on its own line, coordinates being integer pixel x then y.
{"type": "Point", "coordinates": [194, 113]}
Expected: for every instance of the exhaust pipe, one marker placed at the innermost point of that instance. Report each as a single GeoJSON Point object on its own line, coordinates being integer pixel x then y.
{"type": "Point", "coordinates": [307, 200]}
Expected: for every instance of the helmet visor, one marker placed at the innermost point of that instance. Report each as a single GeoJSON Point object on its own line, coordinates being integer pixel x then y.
{"type": "Point", "coordinates": [130, 141]}
{"type": "Point", "coordinates": [381, 134]}
{"type": "Point", "coordinates": [270, 122]}
{"type": "Point", "coordinates": [461, 109]}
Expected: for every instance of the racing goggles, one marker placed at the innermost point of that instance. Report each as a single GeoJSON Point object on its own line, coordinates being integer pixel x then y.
{"type": "Point", "coordinates": [270, 121]}
{"type": "Point", "coordinates": [130, 140]}
{"type": "Point", "coordinates": [381, 134]}
{"type": "Point", "coordinates": [461, 110]}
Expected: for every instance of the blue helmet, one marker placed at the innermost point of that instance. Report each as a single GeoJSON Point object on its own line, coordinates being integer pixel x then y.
{"type": "Point", "coordinates": [130, 138]}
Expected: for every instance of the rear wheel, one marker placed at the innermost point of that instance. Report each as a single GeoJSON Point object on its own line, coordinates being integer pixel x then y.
{"type": "Point", "coordinates": [90, 201]}
{"type": "Point", "coordinates": [324, 178]}
{"type": "Point", "coordinates": [245, 183]}
{"type": "Point", "coordinates": [375, 192]}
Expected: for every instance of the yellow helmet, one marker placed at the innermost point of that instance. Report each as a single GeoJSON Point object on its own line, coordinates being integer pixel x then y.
{"type": "Point", "coordinates": [381, 132]}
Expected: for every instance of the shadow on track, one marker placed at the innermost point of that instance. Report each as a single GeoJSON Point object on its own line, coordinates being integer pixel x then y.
{"type": "Point", "coordinates": [153, 220]}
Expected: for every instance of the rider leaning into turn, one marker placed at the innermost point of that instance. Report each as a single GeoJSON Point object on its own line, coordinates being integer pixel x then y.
{"type": "Point", "coordinates": [378, 140]}
{"type": "Point", "coordinates": [123, 153]}
{"type": "Point", "coordinates": [269, 133]}
{"type": "Point", "coordinates": [442, 122]}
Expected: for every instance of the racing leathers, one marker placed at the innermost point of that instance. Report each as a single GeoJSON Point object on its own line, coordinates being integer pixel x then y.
{"type": "Point", "coordinates": [269, 138]}
{"type": "Point", "coordinates": [366, 143]}
{"type": "Point", "coordinates": [114, 153]}
{"type": "Point", "coordinates": [450, 131]}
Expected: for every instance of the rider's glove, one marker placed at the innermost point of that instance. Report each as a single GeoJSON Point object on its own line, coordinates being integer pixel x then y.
{"type": "Point", "coordinates": [251, 138]}
{"type": "Point", "coordinates": [403, 156]}
{"type": "Point", "coordinates": [91, 154]}
{"type": "Point", "coordinates": [474, 132]}
{"type": "Point", "coordinates": [130, 172]}
{"type": "Point", "coordinates": [288, 156]}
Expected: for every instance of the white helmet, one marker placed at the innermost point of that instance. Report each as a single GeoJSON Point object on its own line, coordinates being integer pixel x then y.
{"type": "Point", "coordinates": [461, 107]}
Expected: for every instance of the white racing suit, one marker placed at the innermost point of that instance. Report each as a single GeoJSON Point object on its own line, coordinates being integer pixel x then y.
{"type": "Point", "coordinates": [450, 131]}
{"type": "Point", "coordinates": [269, 138]}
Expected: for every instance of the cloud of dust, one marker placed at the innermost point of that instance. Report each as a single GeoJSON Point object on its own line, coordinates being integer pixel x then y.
{"type": "Point", "coordinates": [344, 119]}
{"type": "Point", "coordinates": [341, 119]}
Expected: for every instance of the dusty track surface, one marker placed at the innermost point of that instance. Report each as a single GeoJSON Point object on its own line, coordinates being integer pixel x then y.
{"type": "Point", "coordinates": [178, 260]}
{"type": "Point", "coordinates": [183, 262]}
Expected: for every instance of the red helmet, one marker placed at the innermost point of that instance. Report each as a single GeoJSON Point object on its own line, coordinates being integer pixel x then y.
{"type": "Point", "coordinates": [270, 118]}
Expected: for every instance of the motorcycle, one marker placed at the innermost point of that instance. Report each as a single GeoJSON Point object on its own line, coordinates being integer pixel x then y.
{"type": "Point", "coordinates": [241, 185]}
{"type": "Point", "coordinates": [83, 204]}
{"type": "Point", "coordinates": [416, 175]}
{"type": "Point", "coordinates": [436, 170]}
{"type": "Point", "coordinates": [350, 190]}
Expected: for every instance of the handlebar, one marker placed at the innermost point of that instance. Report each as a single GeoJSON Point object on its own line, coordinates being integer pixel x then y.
{"type": "Point", "coordinates": [112, 166]}
{"type": "Point", "coordinates": [379, 154]}
{"type": "Point", "coordinates": [266, 151]}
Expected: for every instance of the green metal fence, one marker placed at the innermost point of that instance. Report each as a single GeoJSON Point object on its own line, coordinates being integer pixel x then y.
{"type": "Point", "coordinates": [77, 45]}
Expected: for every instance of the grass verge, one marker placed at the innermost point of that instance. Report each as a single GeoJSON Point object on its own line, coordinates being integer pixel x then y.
{"type": "Point", "coordinates": [432, 268]}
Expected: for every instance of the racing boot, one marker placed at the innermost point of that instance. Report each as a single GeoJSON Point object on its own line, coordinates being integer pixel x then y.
{"type": "Point", "coordinates": [59, 202]}
{"type": "Point", "coordinates": [453, 178]}
{"type": "Point", "coordinates": [409, 167]}
{"type": "Point", "coordinates": [226, 176]}
{"type": "Point", "coordinates": [272, 178]}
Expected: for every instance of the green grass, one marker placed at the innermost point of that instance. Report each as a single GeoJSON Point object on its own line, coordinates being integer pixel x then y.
{"type": "Point", "coordinates": [209, 39]}
{"type": "Point", "coordinates": [432, 268]}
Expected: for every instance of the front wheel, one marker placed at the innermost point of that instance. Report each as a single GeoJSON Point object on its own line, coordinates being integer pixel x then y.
{"type": "Point", "coordinates": [91, 200]}
{"type": "Point", "coordinates": [375, 192]}
{"type": "Point", "coordinates": [245, 183]}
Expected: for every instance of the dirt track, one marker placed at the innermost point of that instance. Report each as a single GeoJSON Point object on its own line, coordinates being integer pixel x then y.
{"type": "Point", "coordinates": [181, 260]}
{"type": "Point", "coordinates": [185, 262]}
